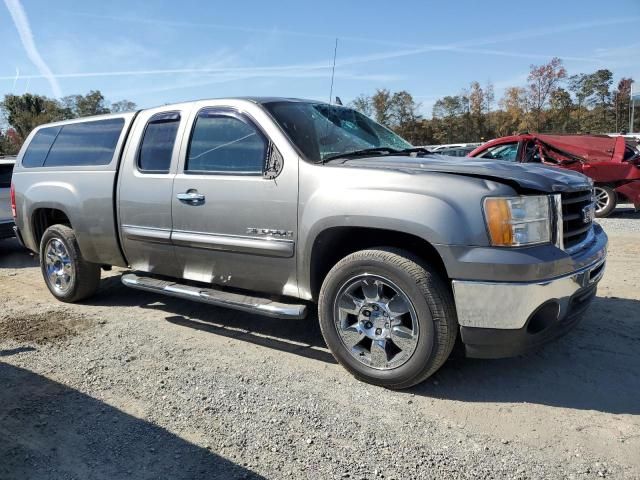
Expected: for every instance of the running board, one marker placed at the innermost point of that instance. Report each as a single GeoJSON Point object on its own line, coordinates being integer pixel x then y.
{"type": "Point", "coordinates": [257, 305]}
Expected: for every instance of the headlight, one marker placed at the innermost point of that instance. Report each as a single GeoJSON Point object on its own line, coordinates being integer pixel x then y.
{"type": "Point", "coordinates": [515, 221]}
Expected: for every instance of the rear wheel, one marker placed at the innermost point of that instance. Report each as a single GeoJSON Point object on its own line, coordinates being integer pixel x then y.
{"type": "Point", "coordinates": [387, 317]}
{"type": "Point", "coordinates": [69, 277]}
{"type": "Point", "coordinates": [606, 200]}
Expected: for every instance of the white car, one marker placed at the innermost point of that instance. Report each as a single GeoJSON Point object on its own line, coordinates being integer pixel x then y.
{"type": "Point", "coordinates": [6, 218]}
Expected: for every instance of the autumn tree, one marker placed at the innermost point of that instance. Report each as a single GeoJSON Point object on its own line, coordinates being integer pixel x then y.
{"type": "Point", "coordinates": [381, 105]}
{"type": "Point", "coordinates": [515, 107]}
{"type": "Point", "coordinates": [363, 104]}
{"type": "Point", "coordinates": [543, 80]}
{"type": "Point", "coordinates": [404, 114]}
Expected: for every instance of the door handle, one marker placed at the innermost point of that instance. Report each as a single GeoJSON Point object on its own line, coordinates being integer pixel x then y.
{"type": "Point", "coordinates": [191, 197]}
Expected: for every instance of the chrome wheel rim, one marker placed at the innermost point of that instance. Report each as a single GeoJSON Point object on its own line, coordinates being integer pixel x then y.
{"type": "Point", "coordinates": [59, 267]}
{"type": "Point", "coordinates": [602, 199]}
{"type": "Point", "coordinates": [376, 322]}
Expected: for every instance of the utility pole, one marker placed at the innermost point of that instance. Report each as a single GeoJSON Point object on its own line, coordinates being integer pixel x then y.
{"type": "Point", "coordinates": [632, 107]}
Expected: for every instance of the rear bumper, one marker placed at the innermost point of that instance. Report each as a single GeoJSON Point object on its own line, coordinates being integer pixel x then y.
{"type": "Point", "coordinates": [500, 319]}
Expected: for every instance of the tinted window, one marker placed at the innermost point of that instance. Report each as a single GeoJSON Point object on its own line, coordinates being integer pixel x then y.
{"type": "Point", "coordinates": [5, 175]}
{"type": "Point", "coordinates": [89, 143]}
{"type": "Point", "coordinates": [225, 144]}
{"type": "Point", "coordinates": [157, 144]}
{"type": "Point", "coordinates": [506, 151]}
{"type": "Point", "coordinates": [39, 147]}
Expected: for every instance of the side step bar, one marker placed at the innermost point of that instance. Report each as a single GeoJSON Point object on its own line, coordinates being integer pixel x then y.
{"type": "Point", "coordinates": [257, 305]}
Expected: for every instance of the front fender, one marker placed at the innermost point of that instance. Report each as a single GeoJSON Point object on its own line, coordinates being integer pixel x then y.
{"type": "Point", "coordinates": [447, 211]}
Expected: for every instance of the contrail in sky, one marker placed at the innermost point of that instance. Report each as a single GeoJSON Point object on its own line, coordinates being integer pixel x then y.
{"type": "Point", "coordinates": [26, 36]}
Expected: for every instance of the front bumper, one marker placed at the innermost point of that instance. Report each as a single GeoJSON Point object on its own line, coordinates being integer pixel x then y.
{"type": "Point", "coordinates": [500, 319]}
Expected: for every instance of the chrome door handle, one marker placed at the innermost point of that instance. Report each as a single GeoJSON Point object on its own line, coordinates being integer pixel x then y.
{"type": "Point", "coordinates": [191, 197]}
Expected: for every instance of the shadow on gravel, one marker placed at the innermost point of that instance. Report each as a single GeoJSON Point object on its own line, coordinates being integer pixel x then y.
{"type": "Point", "coordinates": [16, 351]}
{"type": "Point", "coordinates": [625, 212]}
{"type": "Point", "coordinates": [48, 430]}
{"type": "Point", "coordinates": [594, 367]}
{"type": "Point", "coordinates": [12, 255]}
{"type": "Point", "coordinates": [301, 337]}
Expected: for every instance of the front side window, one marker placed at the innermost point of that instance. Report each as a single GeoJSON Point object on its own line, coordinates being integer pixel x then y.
{"type": "Point", "coordinates": [225, 144]}
{"type": "Point", "coordinates": [85, 144]}
{"type": "Point", "coordinates": [159, 138]}
{"type": "Point", "coordinates": [321, 131]}
{"type": "Point", "coordinates": [507, 152]}
{"type": "Point", "coordinates": [39, 147]}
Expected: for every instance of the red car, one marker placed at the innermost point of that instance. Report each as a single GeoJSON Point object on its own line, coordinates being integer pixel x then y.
{"type": "Point", "coordinates": [613, 165]}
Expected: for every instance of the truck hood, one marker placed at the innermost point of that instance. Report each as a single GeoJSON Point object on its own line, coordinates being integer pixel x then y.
{"type": "Point", "coordinates": [541, 178]}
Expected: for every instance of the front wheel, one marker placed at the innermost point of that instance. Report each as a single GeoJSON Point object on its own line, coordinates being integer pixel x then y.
{"type": "Point", "coordinates": [69, 277]}
{"type": "Point", "coordinates": [387, 317]}
{"type": "Point", "coordinates": [606, 200]}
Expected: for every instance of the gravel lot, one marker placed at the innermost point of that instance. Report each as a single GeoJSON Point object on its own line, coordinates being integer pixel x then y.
{"type": "Point", "coordinates": [133, 385]}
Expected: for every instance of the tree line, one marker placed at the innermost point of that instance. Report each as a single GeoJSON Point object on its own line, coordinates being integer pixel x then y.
{"type": "Point", "coordinates": [22, 113]}
{"type": "Point", "coordinates": [551, 102]}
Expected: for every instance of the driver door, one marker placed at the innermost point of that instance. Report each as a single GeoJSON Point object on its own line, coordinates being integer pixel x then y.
{"type": "Point", "coordinates": [233, 225]}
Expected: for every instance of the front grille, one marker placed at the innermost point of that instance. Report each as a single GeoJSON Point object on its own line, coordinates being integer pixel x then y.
{"type": "Point", "coordinates": [575, 229]}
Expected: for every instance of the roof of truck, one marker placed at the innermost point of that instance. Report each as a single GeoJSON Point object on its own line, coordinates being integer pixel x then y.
{"type": "Point", "coordinates": [257, 100]}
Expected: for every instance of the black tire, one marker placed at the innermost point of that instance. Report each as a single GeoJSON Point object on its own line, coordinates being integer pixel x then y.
{"type": "Point", "coordinates": [606, 192]}
{"type": "Point", "coordinates": [84, 278]}
{"type": "Point", "coordinates": [432, 301]}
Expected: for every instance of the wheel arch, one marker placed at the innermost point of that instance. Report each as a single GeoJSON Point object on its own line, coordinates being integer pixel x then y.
{"type": "Point", "coordinates": [334, 243]}
{"type": "Point", "coordinates": [43, 218]}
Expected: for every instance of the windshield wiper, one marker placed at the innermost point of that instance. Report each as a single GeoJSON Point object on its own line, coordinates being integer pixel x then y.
{"type": "Point", "coordinates": [361, 153]}
{"type": "Point", "coordinates": [418, 150]}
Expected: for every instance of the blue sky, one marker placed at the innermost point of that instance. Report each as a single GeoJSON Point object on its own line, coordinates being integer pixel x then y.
{"type": "Point", "coordinates": [157, 51]}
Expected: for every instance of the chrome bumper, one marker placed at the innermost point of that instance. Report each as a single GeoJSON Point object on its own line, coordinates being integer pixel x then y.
{"type": "Point", "coordinates": [503, 305]}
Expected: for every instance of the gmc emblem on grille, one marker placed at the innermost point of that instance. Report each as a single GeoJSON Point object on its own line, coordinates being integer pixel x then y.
{"type": "Point", "coordinates": [588, 213]}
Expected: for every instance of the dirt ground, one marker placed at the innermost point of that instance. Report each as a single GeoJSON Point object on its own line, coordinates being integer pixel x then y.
{"type": "Point", "coordinates": [133, 385]}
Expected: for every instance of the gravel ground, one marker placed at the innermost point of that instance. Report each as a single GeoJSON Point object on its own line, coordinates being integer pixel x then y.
{"type": "Point", "coordinates": [624, 220]}
{"type": "Point", "coordinates": [133, 385]}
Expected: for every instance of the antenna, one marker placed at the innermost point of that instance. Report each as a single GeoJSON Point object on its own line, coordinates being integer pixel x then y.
{"type": "Point", "coordinates": [333, 70]}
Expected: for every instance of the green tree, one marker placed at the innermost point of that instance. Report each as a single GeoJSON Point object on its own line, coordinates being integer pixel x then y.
{"type": "Point", "coordinates": [450, 112]}
{"type": "Point", "coordinates": [560, 109]}
{"type": "Point", "coordinates": [93, 103]}
{"type": "Point", "coordinates": [25, 112]}
{"type": "Point", "coordinates": [123, 106]}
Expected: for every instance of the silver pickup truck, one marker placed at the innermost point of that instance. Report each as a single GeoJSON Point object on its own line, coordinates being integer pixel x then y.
{"type": "Point", "coordinates": [268, 205]}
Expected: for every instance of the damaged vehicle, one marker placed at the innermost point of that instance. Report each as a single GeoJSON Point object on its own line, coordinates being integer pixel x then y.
{"type": "Point", "coordinates": [612, 164]}
{"type": "Point", "coordinates": [272, 206]}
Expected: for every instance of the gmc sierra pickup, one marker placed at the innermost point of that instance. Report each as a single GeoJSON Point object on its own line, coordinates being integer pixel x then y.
{"type": "Point", "coordinates": [268, 205]}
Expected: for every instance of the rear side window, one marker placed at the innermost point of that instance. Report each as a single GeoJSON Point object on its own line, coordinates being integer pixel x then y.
{"type": "Point", "coordinates": [39, 147]}
{"type": "Point", "coordinates": [225, 144]}
{"type": "Point", "coordinates": [5, 175]}
{"type": "Point", "coordinates": [159, 138]}
{"type": "Point", "coordinates": [85, 144]}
